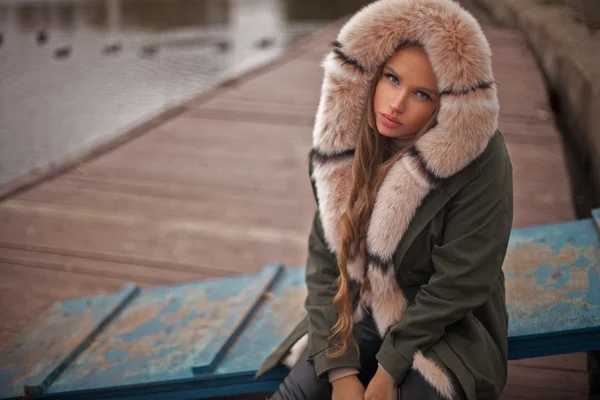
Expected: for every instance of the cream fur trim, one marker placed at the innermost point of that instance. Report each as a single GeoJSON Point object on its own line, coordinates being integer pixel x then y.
{"type": "Point", "coordinates": [338, 114]}
{"type": "Point", "coordinates": [397, 201]}
{"type": "Point", "coordinates": [387, 300]}
{"type": "Point", "coordinates": [331, 180]}
{"type": "Point", "coordinates": [434, 375]}
{"type": "Point", "coordinates": [296, 352]}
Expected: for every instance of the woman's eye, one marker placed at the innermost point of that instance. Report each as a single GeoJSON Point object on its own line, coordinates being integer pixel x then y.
{"type": "Point", "coordinates": [392, 78]}
{"type": "Point", "coordinates": [424, 95]}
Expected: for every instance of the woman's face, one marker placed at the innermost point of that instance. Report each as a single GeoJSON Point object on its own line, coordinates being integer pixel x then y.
{"type": "Point", "coordinates": [406, 95]}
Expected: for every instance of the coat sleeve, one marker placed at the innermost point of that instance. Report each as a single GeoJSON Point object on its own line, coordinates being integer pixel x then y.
{"type": "Point", "coordinates": [321, 275]}
{"type": "Point", "coordinates": [467, 265]}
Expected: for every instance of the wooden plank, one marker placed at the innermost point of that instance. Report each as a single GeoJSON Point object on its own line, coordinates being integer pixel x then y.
{"type": "Point", "coordinates": [525, 101]}
{"type": "Point", "coordinates": [233, 105]}
{"type": "Point", "coordinates": [56, 338]}
{"type": "Point", "coordinates": [521, 129]}
{"type": "Point", "coordinates": [6, 338]}
{"type": "Point", "coordinates": [202, 165]}
{"type": "Point", "coordinates": [528, 214]}
{"type": "Point", "coordinates": [542, 193]}
{"type": "Point", "coordinates": [568, 362]}
{"type": "Point", "coordinates": [152, 184]}
{"type": "Point", "coordinates": [265, 332]}
{"type": "Point", "coordinates": [301, 98]}
{"type": "Point", "coordinates": [568, 381]}
{"type": "Point", "coordinates": [193, 246]}
{"type": "Point", "coordinates": [265, 116]}
{"type": "Point", "coordinates": [529, 191]}
{"type": "Point", "coordinates": [61, 357]}
{"type": "Point", "coordinates": [235, 136]}
{"type": "Point", "coordinates": [221, 342]}
{"type": "Point", "coordinates": [513, 391]}
{"type": "Point", "coordinates": [26, 292]}
{"type": "Point", "coordinates": [219, 156]}
{"type": "Point", "coordinates": [173, 191]}
{"type": "Point", "coordinates": [135, 273]}
{"type": "Point", "coordinates": [254, 111]}
{"type": "Point", "coordinates": [165, 332]}
{"type": "Point", "coordinates": [543, 164]}
{"type": "Point", "coordinates": [551, 280]}
{"type": "Point", "coordinates": [278, 184]}
{"type": "Point", "coordinates": [233, 210]}
{"type": "Point", "coordinates": [250, 176]}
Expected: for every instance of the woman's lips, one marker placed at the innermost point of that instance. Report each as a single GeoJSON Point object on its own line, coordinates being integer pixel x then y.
{"type": "Point", "coordinates": [390, 121]}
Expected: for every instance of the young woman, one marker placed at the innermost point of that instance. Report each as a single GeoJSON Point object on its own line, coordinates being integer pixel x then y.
{"type": "Point", "coordinates": [413, 186]}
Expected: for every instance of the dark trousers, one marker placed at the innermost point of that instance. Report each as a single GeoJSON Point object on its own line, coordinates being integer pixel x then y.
{"type": "Point", "coordinates": [302, 384]}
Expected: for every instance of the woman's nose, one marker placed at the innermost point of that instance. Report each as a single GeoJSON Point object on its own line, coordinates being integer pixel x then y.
{"type": "Point", "coordinates": [399, 102]}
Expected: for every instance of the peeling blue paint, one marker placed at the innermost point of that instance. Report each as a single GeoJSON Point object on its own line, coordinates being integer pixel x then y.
{"type": "Point", "coordinates": [115, 355]}
{"type": "Point", "coordinates": [594, 280]}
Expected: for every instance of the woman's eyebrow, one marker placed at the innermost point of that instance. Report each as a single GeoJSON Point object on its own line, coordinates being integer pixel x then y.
{"type": "Point", "coordinates": [432, 91]}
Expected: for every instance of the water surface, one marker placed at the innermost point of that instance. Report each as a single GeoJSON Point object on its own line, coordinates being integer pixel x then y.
{"type": "Point", "coordinates": [77, 73]}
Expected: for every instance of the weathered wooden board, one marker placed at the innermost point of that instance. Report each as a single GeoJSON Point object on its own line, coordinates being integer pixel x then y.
{"type": "Point", "coordinates": [35, 359]}
{"type": "Point", "coordinates": [168, 332]}
{"type": "Point", "coordinates": [553, 289]}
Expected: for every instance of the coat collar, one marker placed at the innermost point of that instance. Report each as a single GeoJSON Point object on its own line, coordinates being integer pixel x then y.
{"type": "Point", "coordinates": [461, 59]}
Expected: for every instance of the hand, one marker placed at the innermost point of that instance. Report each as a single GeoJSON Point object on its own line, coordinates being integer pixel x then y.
{"type": "Point", "coordinates": [348, 388]}
{"type": "Point", "coordinates": [381, 387]}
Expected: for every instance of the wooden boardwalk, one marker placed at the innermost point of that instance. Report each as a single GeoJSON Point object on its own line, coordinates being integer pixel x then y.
{"type": "Point", "coordinates": [220, 186]}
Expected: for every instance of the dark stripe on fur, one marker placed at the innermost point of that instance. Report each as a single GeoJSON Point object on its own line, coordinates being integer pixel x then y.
{"type": "Point", "coordinates": [336, 44]}
{"type": "Point", "coordinates": [455, 92]}
{"type": "Point", "coordinates": [316, 157]}
{"type": "Point", "coordinates": [347, 60]}
{"type": "Point", "coordinates": [379, 263]}
{"type": "Point", "coordinates": [433, 180]}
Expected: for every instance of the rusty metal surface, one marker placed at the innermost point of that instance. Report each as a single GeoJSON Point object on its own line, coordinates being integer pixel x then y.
{"type": "Point", "coordinates": [36, 356]}
{"type": "Point", "coordinates": [165, 332]}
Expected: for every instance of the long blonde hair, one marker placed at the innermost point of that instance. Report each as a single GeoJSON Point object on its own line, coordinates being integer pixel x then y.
{"type": "Point", "coordinates": [369, 168]}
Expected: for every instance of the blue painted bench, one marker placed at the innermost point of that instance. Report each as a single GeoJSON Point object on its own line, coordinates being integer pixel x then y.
{"type": "Point", "coordinates": [206, 339]}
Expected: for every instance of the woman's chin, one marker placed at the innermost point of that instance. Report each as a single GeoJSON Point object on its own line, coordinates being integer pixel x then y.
{"type": "Point", "coordinates": [387, 132]}
{"type": "Point", "coordinates": [393, 133]}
